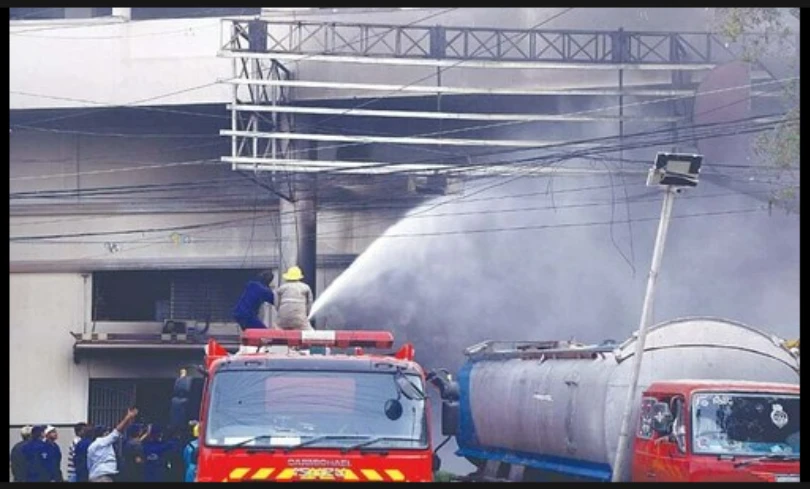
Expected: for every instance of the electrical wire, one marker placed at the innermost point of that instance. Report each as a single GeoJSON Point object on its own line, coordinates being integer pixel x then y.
{"type": "Point", "coordinates": [457, 232]}
{"type": "Point", "coordinates": [271, 214]}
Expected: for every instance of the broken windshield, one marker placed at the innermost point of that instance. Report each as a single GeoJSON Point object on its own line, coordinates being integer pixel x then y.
{"type": "Point", "coordinates": [745, 424]}
{"type": "Point", "coordinates": [330, 409]}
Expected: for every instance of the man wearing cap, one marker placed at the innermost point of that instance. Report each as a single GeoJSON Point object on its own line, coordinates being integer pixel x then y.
{"type": "Point", "coordinates": [101, 460]}
{"type": "Point", "coordinates": [18, 457]}
{"type": "Point", "coordinates": [53, 462]}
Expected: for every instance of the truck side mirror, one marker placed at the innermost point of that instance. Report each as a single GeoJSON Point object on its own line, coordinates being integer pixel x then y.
{"type": "Point", "coordinates": [450, 418]}
{"type": "Point", "coordinates": [661, 418]}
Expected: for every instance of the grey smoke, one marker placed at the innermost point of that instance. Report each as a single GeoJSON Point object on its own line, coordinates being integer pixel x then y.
{"type": "Point", "coordinates": [445, 293]}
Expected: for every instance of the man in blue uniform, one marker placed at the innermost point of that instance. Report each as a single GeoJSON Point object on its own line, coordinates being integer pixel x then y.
{"type": "Point", "coordinates": [256, 293]}
{"type": "Point", "coordinates": [36, 457]}
{"type": "Point", "coordinates": [54, 459]}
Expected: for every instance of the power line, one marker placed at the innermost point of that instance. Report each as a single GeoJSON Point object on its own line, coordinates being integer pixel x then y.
{"type": "Point", "coordinates": [272, 214]}
{"type": "Point", "coordinates": [626, 138]}
{"type": "Point", "coordinates": [485, 230]}
{"type": "Point", "coordinates": [127, 105]}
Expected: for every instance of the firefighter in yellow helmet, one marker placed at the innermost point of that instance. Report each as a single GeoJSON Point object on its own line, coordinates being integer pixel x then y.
{"type": "Point", "coordinates": [294, 299]}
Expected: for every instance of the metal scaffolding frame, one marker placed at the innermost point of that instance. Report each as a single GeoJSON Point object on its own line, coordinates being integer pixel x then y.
{"type": "Point", "coordinates": [258, 46]}
{"type": "Point", "coordinates": [435, 43]}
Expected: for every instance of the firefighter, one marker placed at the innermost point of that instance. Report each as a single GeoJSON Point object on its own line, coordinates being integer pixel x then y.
{"type": "Point", "coordinates": [256, 293]}
{"type": "Point", "coordinates": [294, 301]}
{"type": "Point", "coordinates": [190, 454]}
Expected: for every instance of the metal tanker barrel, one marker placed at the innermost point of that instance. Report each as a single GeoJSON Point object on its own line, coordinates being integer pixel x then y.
{"type": "Point", "coordinates": [558, 408]}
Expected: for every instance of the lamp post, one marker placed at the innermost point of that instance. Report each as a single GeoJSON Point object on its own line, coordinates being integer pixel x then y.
{"type": "Point", "coordinates": [674, 172]}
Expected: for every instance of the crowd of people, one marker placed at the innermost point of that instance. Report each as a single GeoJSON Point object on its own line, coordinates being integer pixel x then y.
{"type": "Point", "coordinates": [129, 452]}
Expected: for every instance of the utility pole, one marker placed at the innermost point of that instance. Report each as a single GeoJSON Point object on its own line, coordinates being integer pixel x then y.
{"type": "Point", "coordinates": [673, 172]}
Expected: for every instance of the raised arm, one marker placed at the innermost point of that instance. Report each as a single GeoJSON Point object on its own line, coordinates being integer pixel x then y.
{"type": "Point", "coordinates": [119, 428]}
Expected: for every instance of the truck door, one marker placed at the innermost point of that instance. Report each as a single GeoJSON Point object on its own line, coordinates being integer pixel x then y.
{"type": "Point", "coordinates": [669, 462]}
{"type": "Point", "coordinates": [643, 446]}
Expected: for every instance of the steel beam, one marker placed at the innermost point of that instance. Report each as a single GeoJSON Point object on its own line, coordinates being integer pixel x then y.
{"type": "Point", "coordinates": [320, 37]}
{"type": "Point", "coordinates": [326, 85]}
{"type": "Point", "coordinates": [508, 143]}
{"type": "Point", "coordinates": [379, 167]}
{"type": "Point", "coordinates": [460, 116]}
{"type": "Point", "coordinates": [471, 63]}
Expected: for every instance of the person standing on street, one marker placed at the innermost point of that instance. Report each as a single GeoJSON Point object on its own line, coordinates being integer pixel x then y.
{"type": "Point", "coordinates": [80, 454]}
{"type": "Point", "coordinates": [54, 460]}
{"type": "Point", "coordinates": [101, 459]}
{"type": "Point", "coordinates": [256, 293]}
{"type": "Point", "coordinates": [18, 457]}
{"type": "Point", "coordinates": [78, 431]}
{"type": "Point", "coordinates": [294, 301]}
{"type": "Point", "coordinates": [36, 456]}
{"type": "Point", "coordinates": [190, 454]}
{"type": "Point", "coordinates": [132, 458]}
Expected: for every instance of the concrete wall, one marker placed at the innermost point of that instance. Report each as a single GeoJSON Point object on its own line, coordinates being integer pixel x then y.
{"type": "Point", "coordinates": [174, 61]}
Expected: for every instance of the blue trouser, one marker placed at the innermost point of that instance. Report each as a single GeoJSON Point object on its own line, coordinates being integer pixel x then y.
{"type": "Point", "coordinates": [250, 322]}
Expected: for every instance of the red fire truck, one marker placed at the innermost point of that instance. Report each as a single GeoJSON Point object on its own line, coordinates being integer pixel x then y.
{"type": "Point", "coordinates": [313, 405]}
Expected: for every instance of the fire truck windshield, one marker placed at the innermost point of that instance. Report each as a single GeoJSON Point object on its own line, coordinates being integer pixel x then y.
{"type": "Point", "coordinates": [320, 409]}
{"type": "Point", "coordinates": [745, 424]}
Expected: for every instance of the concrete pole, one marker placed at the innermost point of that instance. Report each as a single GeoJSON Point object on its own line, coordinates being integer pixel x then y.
{"type": "Point", "coordinates": [646, 316]}
{"type": "Point", "coordinates": [122, 13]}
{"type": "Point", "coordinates": [298, 221]}
{"type": "Point", "coordinates": [305, 207]}
{"type": "Point", "coordinates": [287, 236]}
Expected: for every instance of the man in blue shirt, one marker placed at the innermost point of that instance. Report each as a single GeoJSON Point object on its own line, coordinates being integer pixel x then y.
{"type": "Point", "coordinates": [80, 453]}
{"type": "Point", "coordinates": [36, 457]}
{"type": "Point", "coordinates": [53, 462]}
{"type": "Point", "coordinates": [256, 293]}
{"type": "Point", "coordinates": [157, 452]}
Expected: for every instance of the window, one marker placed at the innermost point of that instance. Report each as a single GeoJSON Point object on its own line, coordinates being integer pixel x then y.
{"type": "Point", "coordinates": [746, 424]}
{"type": "Point", "coordinates": [645, 430]}
{"type": "Point", "coordinates": [322, 408]}
{"type": "Point", "coordinates": [154, 296]}
{"type": "Point", "coordinates": [109, 400]}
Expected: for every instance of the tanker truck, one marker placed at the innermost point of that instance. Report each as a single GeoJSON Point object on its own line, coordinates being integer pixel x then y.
{"type": "Point", "coordinates": [718, 401]}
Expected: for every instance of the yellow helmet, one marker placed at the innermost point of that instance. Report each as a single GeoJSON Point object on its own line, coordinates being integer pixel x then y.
{"type": "Point", "coordinates": [792, 344]}
{"type": "Point", "coordinates": [196, 431]}
{"type": "Point", "coordinates": [293, 274]}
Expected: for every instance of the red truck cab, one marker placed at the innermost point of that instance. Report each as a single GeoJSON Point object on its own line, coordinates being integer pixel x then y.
{"type": "Point", "coordinates": [297, 415]}
{"type": "Point", "coordinates": [717, 431]}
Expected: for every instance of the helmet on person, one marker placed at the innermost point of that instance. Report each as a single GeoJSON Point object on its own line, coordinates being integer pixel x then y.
{"type": "Point", "coordinates": [25, 431]}
{"type": "Point", "coordinates": [293, 274]}
{"type": "Point", "coordinates": [196, 431]}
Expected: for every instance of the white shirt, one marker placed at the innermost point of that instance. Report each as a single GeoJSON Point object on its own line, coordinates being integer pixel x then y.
{"type": "Point", "coordinates": [101, 456]}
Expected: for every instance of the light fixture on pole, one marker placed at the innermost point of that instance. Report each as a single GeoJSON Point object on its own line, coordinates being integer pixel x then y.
{"type": "Point", "coordinates": [674, 172]}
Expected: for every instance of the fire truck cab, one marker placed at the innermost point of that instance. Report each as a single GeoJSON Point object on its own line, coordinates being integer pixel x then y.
{"type": "Point", "coordinates": [718, 431]}
{"type": "Point", "coordinates": [313, 405]}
